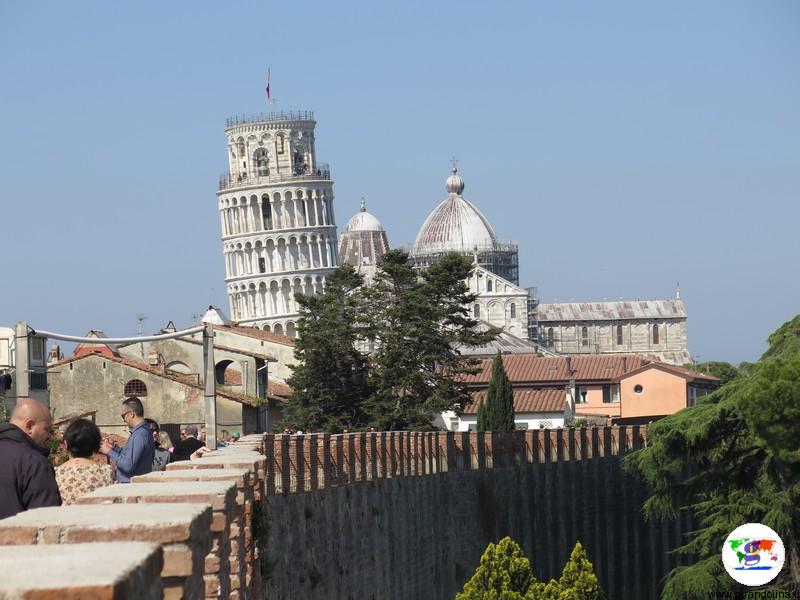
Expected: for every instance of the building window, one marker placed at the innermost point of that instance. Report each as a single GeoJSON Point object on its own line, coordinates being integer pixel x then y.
{"type": "Point", "coordinates": [476, 311]}
{"type": "Point", "coordinates": [610, 393]}
{"type": "Point", "coordinates": [655, 333]}
{"type": "Point", "coordinates": [582, 394]}
{"type": "Point", "coordinates": [619, 335]}
{"type": "Point", "coordinates": [545, 424]}
{"type": "Point", "coordinates": [549, 336]}
{"type": "Point", "coordinates": [513, 311]}
{"type": "Point", "coordinates": [584, 336]}
{"type": "Point", "coordinates": [135, 387]}
{"type": "Point", "coordinates": [262, 265]}
{"type": "Point", "coordinates": [488, 285]}
{"type": "Point", "coordinates": [638, 389]}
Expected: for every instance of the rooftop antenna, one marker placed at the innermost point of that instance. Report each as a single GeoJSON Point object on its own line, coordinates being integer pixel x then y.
{"type": "Point", "coordinates": [141, 317]}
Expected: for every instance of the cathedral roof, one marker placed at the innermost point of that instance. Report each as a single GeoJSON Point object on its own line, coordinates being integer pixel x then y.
{"type": "Point", "coordinates": [455, 225]}
{"type": "Point", "coordinates": [620, 310]}
{"type": "Point", "coordinates": [363, 221]}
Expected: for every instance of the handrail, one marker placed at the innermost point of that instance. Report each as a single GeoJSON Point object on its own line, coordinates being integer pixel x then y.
{"type": "Point", "coordinates": [94, 340]}
{"type": "Point", "coordinates": [299, 115]}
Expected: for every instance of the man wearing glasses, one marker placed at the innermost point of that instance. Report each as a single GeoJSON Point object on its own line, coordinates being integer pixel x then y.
{"type": "Point", "coordinates": [136, 458]}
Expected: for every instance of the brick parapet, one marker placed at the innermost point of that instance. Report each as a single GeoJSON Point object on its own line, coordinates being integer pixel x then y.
{"type": "Point", "coordinates": [220, 495]}
{"type": "Point", "coordinates": [118, 572]}
{"type": "Point", "coordinates": [307, 462]}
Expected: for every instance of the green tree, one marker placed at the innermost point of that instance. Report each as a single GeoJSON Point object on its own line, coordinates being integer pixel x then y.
{"type": "Point", "coordinates": [503, 574]}
{"type": "Point", "coordinates": [724, 370]}
{"type": "Point", "coordinates": [419, 318]}
{"type": "Point", "coordinates": [733, 458]}
{"type": "Point", "coordinates": [330, 382]}
{"type": "Point", "coordinates": [499, 405]}
{"type": "Point", "coordinates": [482, 417]}
{"type": "Point", "coordinates": [578, 580]}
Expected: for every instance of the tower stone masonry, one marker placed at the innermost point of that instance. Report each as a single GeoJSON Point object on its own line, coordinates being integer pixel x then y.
{"type": "Point", "coordinates": [277, 219]}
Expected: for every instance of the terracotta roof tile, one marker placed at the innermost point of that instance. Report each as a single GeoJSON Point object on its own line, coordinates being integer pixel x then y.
{"type": "Point", "coordinates": [254, 332]}
{"type": "Point", "coordinates": [679, 371]}
{"type": "Point", "coordinates": [526, 400]}
{"type": "Point", "coordinates": [532, 368]}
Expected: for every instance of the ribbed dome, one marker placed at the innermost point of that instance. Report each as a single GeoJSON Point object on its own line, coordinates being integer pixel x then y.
{"type": "Point", "coordinates": [455, 225]}
{"type": "Point", "coordinates": [363, 220]}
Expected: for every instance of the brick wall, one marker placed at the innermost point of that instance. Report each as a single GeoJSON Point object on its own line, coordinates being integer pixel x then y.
{"type": "Point", "coordinates": [369, 515]}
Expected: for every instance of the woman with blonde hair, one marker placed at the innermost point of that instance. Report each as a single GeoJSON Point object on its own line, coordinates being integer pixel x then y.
{"type": "Point", "coordinates": [163, 451]}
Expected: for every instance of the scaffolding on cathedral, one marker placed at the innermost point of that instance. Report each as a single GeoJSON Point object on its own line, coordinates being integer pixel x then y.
{"type": "Point", "coordinates": [501, 258]}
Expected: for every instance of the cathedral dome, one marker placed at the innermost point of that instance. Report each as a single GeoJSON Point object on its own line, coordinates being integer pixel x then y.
{"type": "Point", "coordinates": [455, 225]}
{"type": "Point", "coordinates": [363, 221]}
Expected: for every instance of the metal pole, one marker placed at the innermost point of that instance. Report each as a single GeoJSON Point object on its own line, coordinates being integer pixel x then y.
{"type": "Point", "coordinates": [210, 386]}
{"type": "Point", "coordinates": [21, 364]}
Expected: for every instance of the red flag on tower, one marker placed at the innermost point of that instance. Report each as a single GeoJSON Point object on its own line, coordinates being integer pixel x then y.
{"type": "Point", "coordinates": [268, 75]}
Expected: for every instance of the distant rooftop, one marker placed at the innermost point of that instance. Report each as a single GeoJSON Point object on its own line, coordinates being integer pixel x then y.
{"type": "Point", "coordinates": [300, 115]}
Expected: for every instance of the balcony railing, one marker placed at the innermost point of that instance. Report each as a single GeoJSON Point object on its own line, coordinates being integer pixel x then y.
{"type": "Point", "coordinates": [264, 176]}
{"type": "Point", "coordinates": [300, 115]}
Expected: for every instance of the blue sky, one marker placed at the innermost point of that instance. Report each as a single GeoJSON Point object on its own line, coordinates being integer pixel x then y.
{"type": "Point", "coordinates": [626, 146]}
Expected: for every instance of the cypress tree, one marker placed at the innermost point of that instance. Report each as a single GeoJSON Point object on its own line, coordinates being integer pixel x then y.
{"type": "Point", "coordinates": [499, 399]}
{"type": "Point", "coordinates": [482, 416]}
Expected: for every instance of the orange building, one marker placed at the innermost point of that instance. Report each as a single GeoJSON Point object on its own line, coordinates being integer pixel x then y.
{"type": "Point", "coordinates": [612, 388]}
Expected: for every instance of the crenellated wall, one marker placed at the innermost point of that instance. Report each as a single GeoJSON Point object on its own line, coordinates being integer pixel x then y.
{"type": "Point", "coordinates": [408, 515]}
{"type": "Point", "coordinates": [366, 515]}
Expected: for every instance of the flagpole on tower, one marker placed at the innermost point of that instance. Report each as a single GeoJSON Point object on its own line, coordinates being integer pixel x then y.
{"type": "Point", "coordinates": [270, 100]}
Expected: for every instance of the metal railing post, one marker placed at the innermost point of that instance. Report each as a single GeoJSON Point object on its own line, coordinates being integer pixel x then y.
{"type": "Point", "coordinates": [210, 386]}
{"type": "Point", "coordinates": [21, 362]}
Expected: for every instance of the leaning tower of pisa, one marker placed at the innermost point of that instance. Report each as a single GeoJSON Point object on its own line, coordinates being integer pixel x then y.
{"type": "Point", "coordinates": [276, 209]}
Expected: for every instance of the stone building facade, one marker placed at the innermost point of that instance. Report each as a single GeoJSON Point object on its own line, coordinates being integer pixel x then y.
{"type": "Point", "coordinates": [499, 303]}
{"type": "Point", "coordinates": [654, 328]}
{"type": "Point", "coordinates": [277, 218]}
{"type": "Point", "coordinates": [101, 383]}
{"type": "Point", "coordinates": [363, 243]}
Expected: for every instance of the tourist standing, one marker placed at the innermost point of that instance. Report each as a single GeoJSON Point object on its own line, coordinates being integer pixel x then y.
{"type": "Point", "coordinates": [136, 458]}
{"type": "Point", "coordinates": [185, 447]}
{"type": "Point", "coordinates": [27, 479]}
{"type": "Point", "coordinates": [80, 474]}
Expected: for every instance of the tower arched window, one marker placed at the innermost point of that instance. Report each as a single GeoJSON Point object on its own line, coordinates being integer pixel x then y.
{"type": "Point", "coordinates": [550, 336]}
{"type": "Point", "coordinates": [584, 336]}
{"type": "Point", "coordinates": [655, 333]}
{"type": "Point", "coordinates": [619, 335]}
{"type": "Point", "coordinates": [513, 311]}
{"type": "Point", "coordinates": [476, 311]}
{"type": "Point", "coordinates": [135, 387]}
{"type": "Point", "coordinates": [261, 160]}
{"type": "Point", "coordinates": [488, 285]}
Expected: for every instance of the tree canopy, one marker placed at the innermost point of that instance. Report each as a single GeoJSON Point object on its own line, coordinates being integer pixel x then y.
{"type": "Point", "coordinates": [504, 573]}
{"type": "Point", "coordinates": [413, 320]}
{"type": "Point", "coordinates": [733, 458]}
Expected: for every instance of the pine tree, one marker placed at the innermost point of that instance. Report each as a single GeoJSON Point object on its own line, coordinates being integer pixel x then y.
{"type": "Point", "coordinates": [733, 458]}
{"type": "Point", "coordinates": [329, 382]}
{"type": "Point", "coordinates": [503, 574]}
{"type": "Point", "coordinates": [419, 319]}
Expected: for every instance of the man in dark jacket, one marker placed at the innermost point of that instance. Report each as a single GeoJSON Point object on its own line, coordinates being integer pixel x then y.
{"type": "Point", "coordinates": [27, 479]}
{"type": "Point", "coordinates": [185, 448]}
